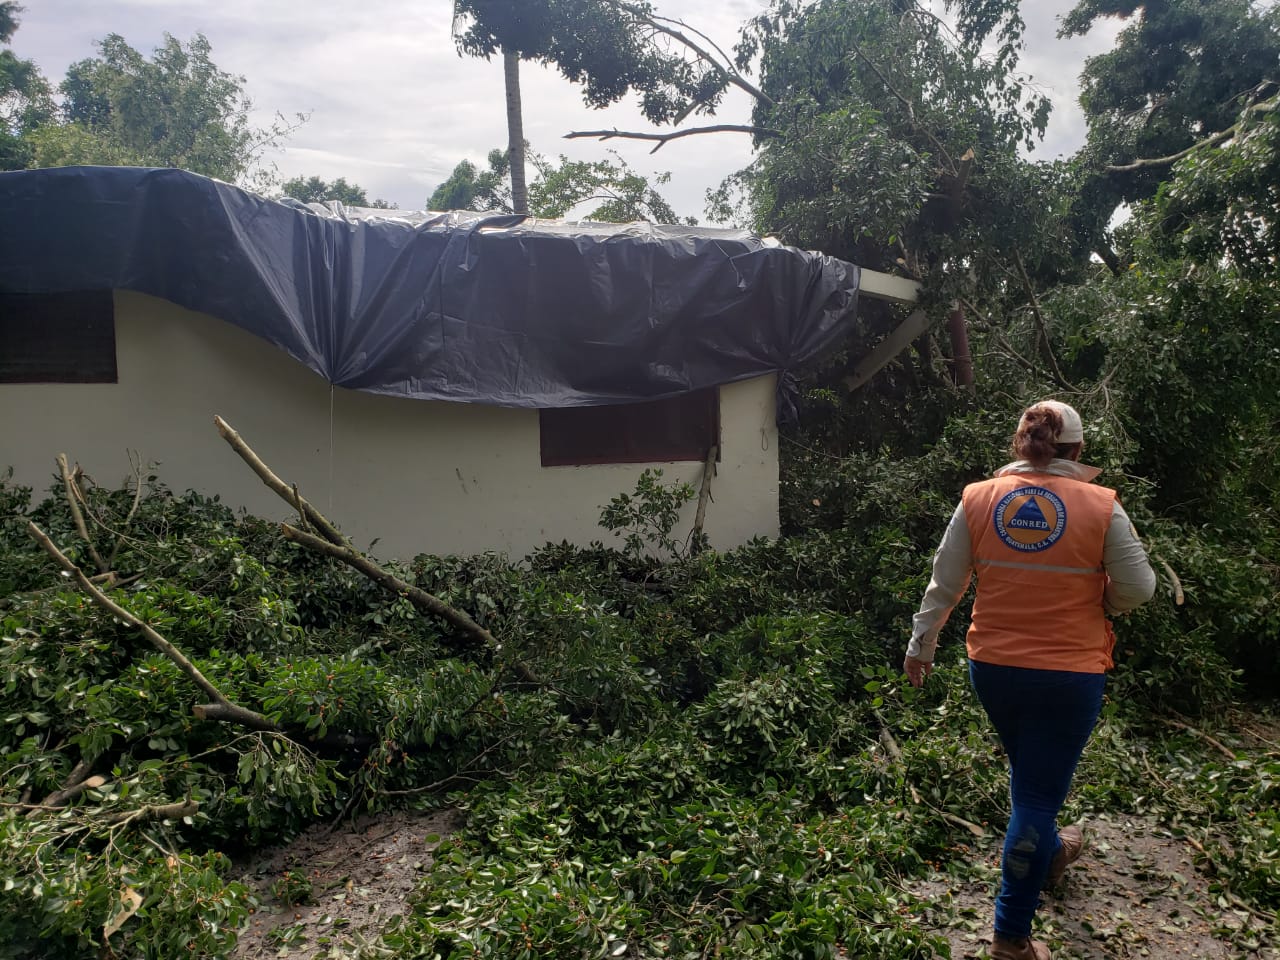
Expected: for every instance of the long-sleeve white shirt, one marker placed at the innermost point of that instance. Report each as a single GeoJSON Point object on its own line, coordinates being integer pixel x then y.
{"type": "Point", "coordinates": [1130, 580]}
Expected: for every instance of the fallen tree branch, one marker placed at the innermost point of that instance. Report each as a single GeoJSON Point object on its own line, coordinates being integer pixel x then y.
{"type": "Point", "coordinates": [109, 579]}
{"type": "Point", "coordinates": [288, 494]}
{"type": "Point", "coordinates": [1179, 598]}
{"type": "Point", "coordinates": [77, 782]}
{"type": "Point", "coordinates": [335, 545]}
{"type": "Point", "coordinates": [664, 138]}
{"type": "Point", "coordinates": [164, 811]}
{"type": "Point", "coordinates": [1235, 899]}
{"type": "Point", "coordinates": [415, 595]}
{"type": "Point", "coordinates": [1212, 741]}
{"type": "Point", "coordinates": [133, 509]}
{"type": "Point", "coordinates": [228, 709]}
{"type": "Point", "coordinates": [886, 737]}
{"type": "Point", "coordinates": [73, 501]}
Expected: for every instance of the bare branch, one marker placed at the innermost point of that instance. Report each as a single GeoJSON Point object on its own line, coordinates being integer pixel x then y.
{"type": "Point", "coordinates": [663, 138]}
{"type": "Point", "coordinates": [708, 471]}
{"type": "Point", "coordinates": [282, 489]}
{"type": "Point", "coordinates": [136, 462]}
{"type": "Point", "coordinates": [334, 544]}
{"type": "Point", "coordinates": [74, 497]}
{"type": "Point", "coordinates": [1213, 139]}
{"type": "Point", "coordinates": [730, 75]}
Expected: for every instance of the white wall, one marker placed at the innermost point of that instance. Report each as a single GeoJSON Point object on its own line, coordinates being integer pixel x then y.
{"type": "Point", "coordinates": [419, 476]}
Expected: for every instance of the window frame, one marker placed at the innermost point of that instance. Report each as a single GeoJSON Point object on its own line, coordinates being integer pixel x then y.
{"type": "Point", "coordinates": [567, 436]}
{"type": "Point", "coordinates": [58, 337]}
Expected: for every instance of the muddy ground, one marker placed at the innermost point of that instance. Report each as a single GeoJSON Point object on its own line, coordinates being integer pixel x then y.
{"type": "Point", "coordinates": [1136, 892]}
{"type": "Point", "coordinates": [359, 876]}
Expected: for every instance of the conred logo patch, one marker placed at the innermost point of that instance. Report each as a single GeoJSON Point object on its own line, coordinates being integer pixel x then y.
{"type": "Point", "coordinates": [1030, 519]}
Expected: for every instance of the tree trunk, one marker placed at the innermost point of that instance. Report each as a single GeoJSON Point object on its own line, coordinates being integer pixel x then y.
{"type": "Point", "coordinates": [962, 369]}
{"type": "Point", "coordinates": [515, 133]}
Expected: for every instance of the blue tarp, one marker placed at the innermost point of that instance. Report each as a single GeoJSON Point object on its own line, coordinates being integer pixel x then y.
{"type": "Point", "coordinates": [501, 310]}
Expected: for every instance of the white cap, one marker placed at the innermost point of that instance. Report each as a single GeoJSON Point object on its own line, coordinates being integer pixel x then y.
{"type": "Point", "coordinates": [1072, 428]}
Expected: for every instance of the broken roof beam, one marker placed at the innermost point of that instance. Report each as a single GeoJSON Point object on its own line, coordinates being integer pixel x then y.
{"type": "Point", "coordinates": [885, 286]}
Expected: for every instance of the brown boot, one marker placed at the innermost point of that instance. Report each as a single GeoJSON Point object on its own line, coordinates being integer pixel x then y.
{"type": "Point", "coordinates": [1002, 948]}
{"type": "Point", "coordinates": [1072, 839]}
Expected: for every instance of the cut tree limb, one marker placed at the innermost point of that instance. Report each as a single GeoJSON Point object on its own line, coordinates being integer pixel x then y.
{"type": "Point", "coordinates": [231, 711]}
{"type": "Point", "coordinates": [335, 545]}
{"type": "Point", "coordinates": [77, 782]}
{"type": "Point", "coordinates": [163, 811]}
{"type": "Point", "coordinates": [289, 494]}
{"type": "Point", "coordinates": [416, 595]}
{"type": "Point", "coordinates": [73, 501]}
{"type": "Point", "coordinates": [1212, 741]}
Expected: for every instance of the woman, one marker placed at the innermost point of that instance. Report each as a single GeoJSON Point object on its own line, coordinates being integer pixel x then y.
{"type": "Point", "coordinates": [1055, 554]}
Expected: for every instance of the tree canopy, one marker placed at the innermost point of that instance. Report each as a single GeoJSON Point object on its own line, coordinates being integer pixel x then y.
{"type": "Point", "coordinates": [25, 97]}
{"type": "Point", "coordinates": [611, 189]}
{"type": "Point", "coordinates": [316, 190]}
{"type": "Point", "coordinates": [176, 108]}
{"type": "Point", "coordinates": [608, 47]}
{"type": "Point", "coordinates": [1181, 71]}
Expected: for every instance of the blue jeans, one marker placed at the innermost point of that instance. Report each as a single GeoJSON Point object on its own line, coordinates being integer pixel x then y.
{"type": "Point", "coordinates": [1044, 719]}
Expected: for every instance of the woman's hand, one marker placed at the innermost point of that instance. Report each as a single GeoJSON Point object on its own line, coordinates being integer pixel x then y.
{"type": "Point", "coordinates": [917, 670]}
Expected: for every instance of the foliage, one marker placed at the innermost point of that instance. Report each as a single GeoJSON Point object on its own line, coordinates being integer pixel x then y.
{"type": "Point", "coordinates": [469, 188]}
{"type": "Point", "coordinates": [700, 771]}
{"type": "Point", "coordinates": [175, 109]}
{"type": "Point", "coordinates": [1180, 71]}
{"type": "Point", "coordinates": [622, 194]}
{"type": "Point", "coordinates": [25, 97]}
{"type": "Point", "coordinates": [315, 190]}
{"type": "Point", "coordinates": [609, 48]}
{"type": "Point", "coordinates": [646, 517]}
{"type": "Point", "coordinates": [898, 139]}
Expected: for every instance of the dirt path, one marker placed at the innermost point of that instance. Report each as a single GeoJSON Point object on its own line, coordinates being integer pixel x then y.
{"type": "Point", "coordinates": [358, 877]}
{"type": "Point", "coordinates": [1135, 893]}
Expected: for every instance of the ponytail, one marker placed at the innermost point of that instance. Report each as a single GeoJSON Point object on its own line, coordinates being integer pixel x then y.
{"type": "Point", "coordinates": [1036, 439]}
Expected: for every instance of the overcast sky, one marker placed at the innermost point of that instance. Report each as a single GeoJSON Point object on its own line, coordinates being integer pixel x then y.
{"type": "Point", "coordinates": [393, 107]}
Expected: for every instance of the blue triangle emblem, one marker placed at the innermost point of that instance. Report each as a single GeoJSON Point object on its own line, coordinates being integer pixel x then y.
{"type": "Point", "coordinates": [1030, 516]}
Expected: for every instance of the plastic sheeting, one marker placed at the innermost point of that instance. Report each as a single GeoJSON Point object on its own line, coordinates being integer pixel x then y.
{"type": "Point", "coordinates": [500, 310]}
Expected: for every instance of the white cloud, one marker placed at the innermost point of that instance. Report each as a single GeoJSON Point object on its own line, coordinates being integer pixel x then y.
{"type": "Point", "coordinates": [393, 107]}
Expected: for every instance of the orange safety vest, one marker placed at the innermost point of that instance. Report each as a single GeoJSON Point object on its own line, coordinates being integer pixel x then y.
{"type": "Point", "coordinates": [1037, 544]}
